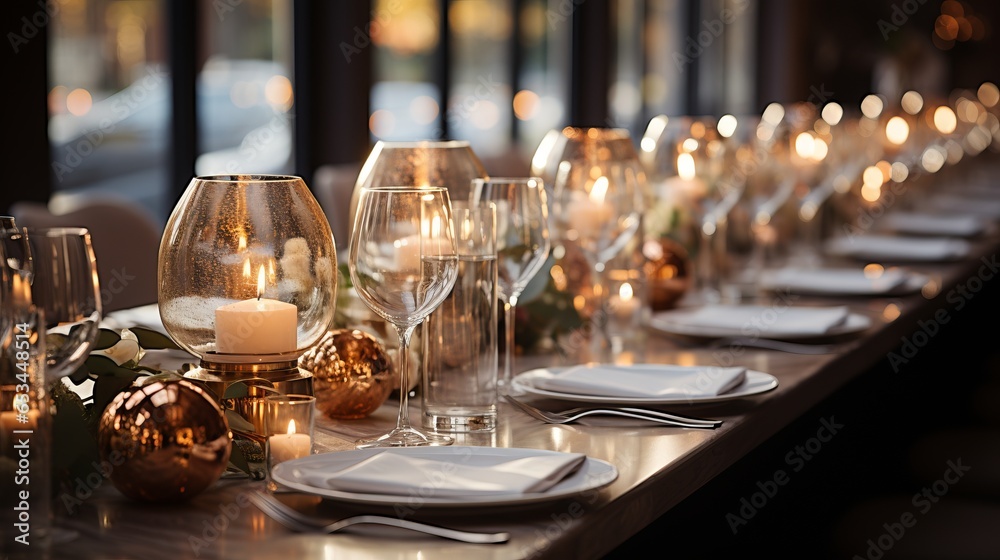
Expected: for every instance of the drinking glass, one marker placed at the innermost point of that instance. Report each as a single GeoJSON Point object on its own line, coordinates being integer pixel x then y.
{"type": "Point", "coordinates": [522, 245]}
{"type": "Point", "coordinates": [65, 287]}
{"type": "Point", "coordinates": [404, 263]}
{"type": "Point", "coordinates": [596, 206]}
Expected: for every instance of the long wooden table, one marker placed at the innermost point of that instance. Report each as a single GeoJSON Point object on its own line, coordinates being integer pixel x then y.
{"type": "Point", "coordinates": [659, 467]}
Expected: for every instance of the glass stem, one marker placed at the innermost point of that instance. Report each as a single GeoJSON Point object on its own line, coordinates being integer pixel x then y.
{"type": "Point", "coordinates": [404, 333]}
{"type": "Point", "coordinates": [603, 343]}
{"type": "Point", "coordinates": [508, 350]}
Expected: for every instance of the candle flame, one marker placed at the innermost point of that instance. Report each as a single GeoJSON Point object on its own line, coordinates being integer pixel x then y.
{"type": "Point", "coordinates": [599, 190]}
{"type": "Point", "coordinates": [625, 292]}
{"type": "Point", "coordinates": [685, 166]}
{"type": "Point", "coordinates": [260, 282]}
{"type": "Point", "coordinates": [804, 145]}
{"type": "Point", "coordinates": [291, 426]}
{"type": "Point", "coordinates": [246, 268]}
{"type": "Point", "coordinates": [896, 130]}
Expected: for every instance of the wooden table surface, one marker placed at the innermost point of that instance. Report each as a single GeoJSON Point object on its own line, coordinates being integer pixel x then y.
{"type": "Point", "coordinates": [658, 466]}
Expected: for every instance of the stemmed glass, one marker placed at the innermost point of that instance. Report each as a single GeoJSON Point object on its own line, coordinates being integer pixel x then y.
{"type": "Point", "coordinates": [65, 287]}
{"type": "Point", "coordinates": [693, 160]}
{"type": "Point", "coordinates": [404, 263]}
{"type": "Point", "coordinates": [522, 244]}
{"type": "Point", "coordinates": [596, 205]}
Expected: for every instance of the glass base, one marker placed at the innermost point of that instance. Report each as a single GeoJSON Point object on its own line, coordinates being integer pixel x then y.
{"type": "Point", "coordinates": [403, 437]}
{"type": "Point", "coordinates": [461, 423]}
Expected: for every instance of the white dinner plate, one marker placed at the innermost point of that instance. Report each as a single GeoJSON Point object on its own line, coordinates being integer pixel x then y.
{"type": "Point", "coordinates": [673, 322]}
{"type": "Point", "coordinates": [593, 474]}
{"type": "Point", "coordinates": [756, 382]}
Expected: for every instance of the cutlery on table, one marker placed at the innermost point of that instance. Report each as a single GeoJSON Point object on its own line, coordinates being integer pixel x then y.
{"type": "Point", "coordinates": [762, 343]}
{"type": "Point", "coordinates": [298, 521]}
{"type": "Point", "coordinates": [778, 345]}
{"type": "Point", "coordinates": [572, 415]}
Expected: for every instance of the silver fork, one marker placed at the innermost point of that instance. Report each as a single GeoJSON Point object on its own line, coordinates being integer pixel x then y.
{"type": "Point", "coordinates": [639, 414]}
{"type": "Point", "coordinates": [779, 345]}
{"type": "Point", "coordinates": [298, 521]}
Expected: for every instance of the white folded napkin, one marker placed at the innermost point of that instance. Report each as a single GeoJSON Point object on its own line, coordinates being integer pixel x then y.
{"type": "Point", "coordinates": [643, 380]}
{"type": "Point", "coordinates": [963, 205]}
{"type": "Point", "coordinates": [847, 281]}
{"type": "Point", "coordinates": [899, 247]}
{"type": "Point", "coordinates": [933, 224]}
{"type": "Point", "coordinates": [447, 476]}
{"type": "Point", "coordinates": [760, 320]}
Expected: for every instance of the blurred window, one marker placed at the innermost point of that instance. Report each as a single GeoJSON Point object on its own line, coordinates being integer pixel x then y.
{"type": "Point", "coordinates": [110, 88]}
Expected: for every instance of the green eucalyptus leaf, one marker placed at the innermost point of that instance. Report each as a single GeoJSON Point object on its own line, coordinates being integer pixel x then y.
{"type": "Point", "coordinates": [236, 391]}
{"type": "Point", "coordinates": [241, 388]}
{"type": "Point", "coordinates": [153, 340]}
{"type": "Point", "coordinates": [237, 422]}
{"type": "Point", "coordinates": [157, 376]}
{"type": "Point", "coordinates": [55, 340]}
{"type": "Point", "coordinates": [107, 387]}
{"type": "Point", "coordinates": [106, 338]}
{"type": "Point", "coordinates": [238, 460]}
{"type": "Point", "coordinates": [81, 374]}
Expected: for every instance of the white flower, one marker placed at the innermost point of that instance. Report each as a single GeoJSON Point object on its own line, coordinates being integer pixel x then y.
{"type": "Point", "coordinates": [126, 352]}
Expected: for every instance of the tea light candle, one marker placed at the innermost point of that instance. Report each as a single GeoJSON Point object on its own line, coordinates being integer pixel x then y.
{"type": "Point", "coordinates": [256, 326]}
{"type": "Point", "coordinates": [624, 305]}
{"type": "Point", "coordinates": [588, 214]}
{"type": "Point", "coordinates": [284, 447]}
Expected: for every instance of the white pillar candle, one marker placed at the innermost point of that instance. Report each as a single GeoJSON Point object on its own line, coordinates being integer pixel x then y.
{"type": "Point", "coordinates": [285, 447]}
{"type": "Point", "coordinates": [256, 326]}
{"type": "Point", "coordinates": [588, 214]}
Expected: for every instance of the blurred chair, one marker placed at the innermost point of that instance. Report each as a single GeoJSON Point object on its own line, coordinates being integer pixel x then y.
{"type": "Point", "coordinates": [126, 243]}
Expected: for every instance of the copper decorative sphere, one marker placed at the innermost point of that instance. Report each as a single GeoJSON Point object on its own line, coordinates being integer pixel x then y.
{"type": "Point", "coordinates": [668, 271]}
{"type": "Point", "coordinates": [352, 373]}
{"type": "Point", "coordinates": [165, 441]}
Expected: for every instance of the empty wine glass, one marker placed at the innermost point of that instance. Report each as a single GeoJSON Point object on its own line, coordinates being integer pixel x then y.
{"type": "Point", "coordinates": [692, 160]}
{"type": "Point", "coordinates": [596, 206]}
{"type": "Point", "coordinates": [404, 263]}
{"type": "Point", "coordinates": [522, 244]}
{"type": "Point", "coordinates": [65, 287]}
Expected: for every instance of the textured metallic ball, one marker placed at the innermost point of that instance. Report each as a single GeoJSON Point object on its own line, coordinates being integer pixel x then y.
{"type": "Point", "coordinates": [165, 441]}
{"type": "Point", "coordinates": [668, 270]}
{"type": "Point", "coordinates": [352, 373]}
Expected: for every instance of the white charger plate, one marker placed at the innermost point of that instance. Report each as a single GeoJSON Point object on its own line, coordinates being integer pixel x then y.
{"type": "Point", "coordinates": [756, 382]}
{"type": "Point", "coordinates": [593, 474]}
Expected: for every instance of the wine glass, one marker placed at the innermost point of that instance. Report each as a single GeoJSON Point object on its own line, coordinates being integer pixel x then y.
{"type": "Point", "coordinates": [692, 160]}
{"type": "Point", "coordinates": [522, 244]}
{"type": "Point", "coordinates": [451, 164]}
{"type": "Point", "coordinates": [596, 206]}
{"type": "Point", "coordinates": [403, 263]}
{"type": "Point", "coordinates": [65, 287]}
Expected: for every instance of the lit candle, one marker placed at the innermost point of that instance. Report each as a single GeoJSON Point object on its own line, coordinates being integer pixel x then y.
{"type": "Point", "coordinates": [285, 447]}
{"type": "Point", "coordinates": [588, 214]}
{"type": "Point", "coordinates": [256, 326]}
{"type": "Point", "coordinates": [685, 185]}
{"type": "Point", "coordinates": [624, 305]}
{"type": "Point", "coordinates": [407, 253]}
